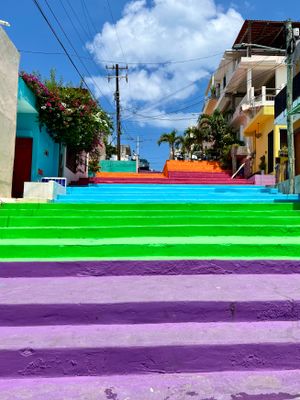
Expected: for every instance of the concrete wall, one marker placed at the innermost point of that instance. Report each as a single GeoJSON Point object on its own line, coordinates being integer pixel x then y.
{"type": "Point", "coordinates": [9, 65]}
{"type": "Point", "coordinates": [283, 187]}
{"type": "Point", "coordinates": [43, 190]}
{"type": "Point", "coordinates": [44, 151]}
{"type": "Point", "coordinates": [117, 166]}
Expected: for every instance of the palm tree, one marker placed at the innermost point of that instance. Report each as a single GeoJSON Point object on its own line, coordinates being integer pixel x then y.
{"type": "Point", "coordinates": [216, 129]}
{"type": "Point", "coordinates": [172, 139]}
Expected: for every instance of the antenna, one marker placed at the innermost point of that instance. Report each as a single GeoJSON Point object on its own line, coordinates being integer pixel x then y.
{"type": "Point", "coordinates": [4, 23]}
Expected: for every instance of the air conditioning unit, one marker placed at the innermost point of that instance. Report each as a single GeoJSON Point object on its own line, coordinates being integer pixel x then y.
{"type": "Point", "coordinates": [60, 181]}
{"type": "Point", "coordinates": [296, 32]}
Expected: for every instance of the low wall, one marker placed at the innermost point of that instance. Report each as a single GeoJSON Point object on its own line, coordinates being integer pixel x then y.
{"type": "Point", "coordinates": [283, 187]}
{"type": "Point", "coordinates": [263, 180]}
{"type": "Point", "coordinates": [117, 166]}
{"type": "Point", "coordinates": [43, 190]}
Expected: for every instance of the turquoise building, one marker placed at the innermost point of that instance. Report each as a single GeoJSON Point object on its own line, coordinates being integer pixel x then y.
{"type": "Point", "coordinates": [36, 153]}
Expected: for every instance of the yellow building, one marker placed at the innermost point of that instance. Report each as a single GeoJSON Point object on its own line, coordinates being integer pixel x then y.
{"type": "Point", "coordinates": [266, 139]}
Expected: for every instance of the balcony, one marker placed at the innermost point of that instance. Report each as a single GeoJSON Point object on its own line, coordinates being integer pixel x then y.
{"type": "Point", "coordinates": [253, 101]}
{"type": "Point", "coordinates": [280, 101]}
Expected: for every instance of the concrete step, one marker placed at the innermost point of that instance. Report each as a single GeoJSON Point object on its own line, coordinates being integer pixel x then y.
{"type": "Point", "coordinates": [31, 269]}
{"type": "Point", "coordinates": [154, 221]}
{"type": "Point", "coordinates": [278, 229]}
{"type": "Point", "coordinates": [122, 212]}
{"type": "Point", "coordinates": [148, 299]}
{"type": "Point", "coordinates": [145, 207]}
{"type": "Point", "coordinates": [171, 181]}
{"type": "Point", "coordinates": [151, 247]}
{"type": "Point", "coordinates": [273, 385]}
{"type": "Point", "coordinates": [116, 200]}
{"type": "Point", "coordinates": [50, 351]}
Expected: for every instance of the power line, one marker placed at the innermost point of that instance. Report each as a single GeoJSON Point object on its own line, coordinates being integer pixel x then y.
{"type": "Point", "coordinates": [77, 18]}
{"type": "Point", "coordinates": [82, 42]}
{"type": "Point", "coordinates": [74, 49]}
{"type": "Point", "coordinates": [115, 28]}
{"type": "Point", "coordinates": [85, 16]}
{"type": "Point", "coordinates": [141, 63]}
{"type": "Point", "coordinates": [61, 44]}
{"type": "Point", "coordinates": [89, 17]}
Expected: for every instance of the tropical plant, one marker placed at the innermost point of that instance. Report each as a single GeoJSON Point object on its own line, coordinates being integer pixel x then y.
{"type": "Point", "coordinates": [218, 132]}
{"type": "Point", "coordinates": [172, 139]}
{"type": "Point", "coordinates": [72, 117]}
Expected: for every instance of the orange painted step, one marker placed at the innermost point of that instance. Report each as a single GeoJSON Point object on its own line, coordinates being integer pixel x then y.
{"type": "Point", "coordinates": [192, 166]}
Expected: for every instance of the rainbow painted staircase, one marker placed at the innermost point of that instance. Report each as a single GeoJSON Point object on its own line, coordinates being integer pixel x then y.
{"type": "Point", "coordinates": [113, 294]}
{"type": "Point", "coordinates": [174, 172]}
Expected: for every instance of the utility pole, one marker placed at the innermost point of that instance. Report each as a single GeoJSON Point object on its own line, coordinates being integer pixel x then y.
{"type": "Point", "coordinates": [137, 153]}
{"type": "Point", "coordinates": [289, 105]}
{"type": "Point", "coordinates": [117, 76]}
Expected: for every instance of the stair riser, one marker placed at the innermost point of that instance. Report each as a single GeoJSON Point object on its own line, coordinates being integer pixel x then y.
{"type": "Point", "coordinates": [147, 268]}
{"type": "Point", "coordinates": [147, 360]}
{"type": "Point", "coordinates": [144, 313]}
{"type": "Point", "coordinates": [174, 181]}
{"type": "Point", "coordinates": [212, 221]}
{"type": "Point", "coordinates": [144, 207]}
{"type": "Point", "coordinates": [136, 231]}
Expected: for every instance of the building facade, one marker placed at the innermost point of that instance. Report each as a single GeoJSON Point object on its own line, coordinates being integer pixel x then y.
{"type": "Point", "coordinates": [37, 155]}
{"type": "Point", "coordinates": [245, 85]}
{"type": "Point", "coordinates": [9, 65]}
{"type": "Point", "coordinates": [280, 107]}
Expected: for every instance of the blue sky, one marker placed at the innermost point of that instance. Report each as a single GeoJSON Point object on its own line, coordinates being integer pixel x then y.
{"type": "Point", "coordinates": [171, 47]}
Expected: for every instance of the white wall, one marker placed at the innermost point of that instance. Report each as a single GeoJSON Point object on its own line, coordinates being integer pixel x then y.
{"type": "Point", "coordinates": [280, 77]}
{"type": "Point", "coordinates": [9, 65]}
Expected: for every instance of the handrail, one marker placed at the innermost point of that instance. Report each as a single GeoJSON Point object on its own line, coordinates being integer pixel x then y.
{"type": "Point", "coordinates": [235, 174]}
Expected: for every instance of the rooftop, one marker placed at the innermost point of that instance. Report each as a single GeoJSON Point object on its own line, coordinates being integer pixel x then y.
{"type": "Point", "coordinates": [265, 33]}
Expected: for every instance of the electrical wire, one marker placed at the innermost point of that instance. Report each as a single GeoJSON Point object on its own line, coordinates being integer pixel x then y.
{"type": "Point", "coordinates": [75, 51]}
{"type": "Point", "coordinates": [145, 63]}
{"type": "Point", "coordinates": [84, 44]}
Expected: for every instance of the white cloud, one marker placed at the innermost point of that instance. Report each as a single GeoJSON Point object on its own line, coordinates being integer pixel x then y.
{"type": "Point", "coordinates": [167, 30]}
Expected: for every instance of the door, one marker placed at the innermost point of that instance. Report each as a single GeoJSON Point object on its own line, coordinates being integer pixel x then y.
{"type": "Point", "coordinates": [297, 152]}
{"type": "Point", "coordinates": [270, 152]}
{"type": "Point", "coordinates": [22, 165]}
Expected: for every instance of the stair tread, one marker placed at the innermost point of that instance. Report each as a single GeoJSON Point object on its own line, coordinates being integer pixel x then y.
{"type": "Point", "coordinates": [149, 335]}
{"type": "Point", "coordinates": [225, 385]}
{"type": "Point", "coordinates": [126, 289]}
{"type": "Point", "coordinates": [141, 289]}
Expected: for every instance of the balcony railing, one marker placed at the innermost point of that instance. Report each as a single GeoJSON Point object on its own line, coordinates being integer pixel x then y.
{"type": "Point", "coordinates": [280, 100]}
{"type": "Point", "coordinates": [256, 98]}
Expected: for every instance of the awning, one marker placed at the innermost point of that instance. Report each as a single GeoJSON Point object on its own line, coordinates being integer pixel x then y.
{"type": "Point", "coordinates": [296, 110]}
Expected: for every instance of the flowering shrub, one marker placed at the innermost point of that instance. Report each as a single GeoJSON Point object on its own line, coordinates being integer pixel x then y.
{"type": "Point", "coordinates": [70, 115]}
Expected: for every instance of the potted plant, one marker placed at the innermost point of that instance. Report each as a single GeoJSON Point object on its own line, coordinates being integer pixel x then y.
{"type": "Point", "coordinates": [262, 166]}
{"type": "Point", "coordinates": [283, 152]}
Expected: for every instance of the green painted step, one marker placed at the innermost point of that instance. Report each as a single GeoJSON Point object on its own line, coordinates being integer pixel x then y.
{"type": "Point", "coordinates": [144, 213]}
{"type": "Point", "coordinates": [146, 231]}
{"type": "Point", "coordinates": [112, 207]}
{"type": "Point", "coordinates": [152, 247]}
{"type": "Point", "coordinates": [111, 220]}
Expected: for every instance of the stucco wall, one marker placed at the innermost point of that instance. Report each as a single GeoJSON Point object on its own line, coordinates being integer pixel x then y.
{"type": "Point", "coordinates": [9, 65]}
{"type": "Point", "coordinates": [44, 151]}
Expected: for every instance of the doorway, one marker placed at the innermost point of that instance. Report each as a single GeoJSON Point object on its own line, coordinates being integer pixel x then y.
{"type": "Point", "coordinates": [22, 165]}
{"type": "Point", "coordinates": [270, 152]}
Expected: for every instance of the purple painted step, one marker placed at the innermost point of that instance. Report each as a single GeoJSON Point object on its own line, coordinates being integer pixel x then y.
{"type": "Point", "coordinates": [148, 299]}
{"type": "Point", "coordinates": [142, 349]}
{"type": "Point", "coordinates": [129, 268]}
{"type": "Point", "coordinates": [250, 385]}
